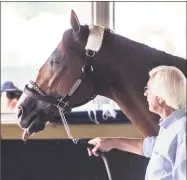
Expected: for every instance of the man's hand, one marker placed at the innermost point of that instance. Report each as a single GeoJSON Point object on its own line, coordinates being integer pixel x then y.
{"type": "Point", "coordinates": [101, 144]}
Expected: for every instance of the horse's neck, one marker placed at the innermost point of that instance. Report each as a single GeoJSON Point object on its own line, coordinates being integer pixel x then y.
{"type": "Point", "coordinates": [135, 107]}
{"type": "Point", "coordinates": [128, 64]}
{"type": "Point", "coordinates": [126, 77]}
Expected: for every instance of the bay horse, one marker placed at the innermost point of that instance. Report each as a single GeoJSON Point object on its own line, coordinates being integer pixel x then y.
{"type": "Point", "coordinates": [90, 61]}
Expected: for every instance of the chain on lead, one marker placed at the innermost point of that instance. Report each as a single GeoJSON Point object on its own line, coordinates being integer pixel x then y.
{"type": "Point", "coordinates": [66, 125]}
{"type": "Point", "coordinates": [36, 88]}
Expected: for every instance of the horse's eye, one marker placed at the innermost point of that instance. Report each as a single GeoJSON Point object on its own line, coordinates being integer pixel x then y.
{"type": "Point", "coordinates": [54, 61]}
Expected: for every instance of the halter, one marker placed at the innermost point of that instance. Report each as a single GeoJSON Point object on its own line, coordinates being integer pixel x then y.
{"type": "Point", "coordinates": [93, 45]}
{"type": "Point", "coordinates": [33, 91]}
{"type": "Point", "coordinates": [60, 102]}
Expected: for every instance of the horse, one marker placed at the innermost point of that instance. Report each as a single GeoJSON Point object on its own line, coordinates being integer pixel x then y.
{"type": "Point", "coordinates": [88, 61]}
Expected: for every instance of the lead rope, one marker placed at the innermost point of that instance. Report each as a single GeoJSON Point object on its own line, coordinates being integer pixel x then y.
{"type": "Point", "coordinates": [63, 118]}
{"type": "Point", "coordinates": [75, 140]}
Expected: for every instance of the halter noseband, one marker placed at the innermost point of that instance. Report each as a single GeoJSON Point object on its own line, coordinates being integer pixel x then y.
{"type": "Point", "coordinates": [62, 102]}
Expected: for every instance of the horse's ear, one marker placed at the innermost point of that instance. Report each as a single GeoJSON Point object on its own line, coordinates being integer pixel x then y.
{"type": "Point", "coordinates": [75, 22]}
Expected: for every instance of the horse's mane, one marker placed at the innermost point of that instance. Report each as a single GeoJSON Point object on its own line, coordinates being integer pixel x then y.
{"type": "Point", "coordinates": [146, 53]}
{"type": "Point", "coordinates": [142, 48]}
{"type": "Point", "coordinates": [139, 47]}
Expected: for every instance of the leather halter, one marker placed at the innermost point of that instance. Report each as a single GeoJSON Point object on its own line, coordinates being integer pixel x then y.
{"type": "Point", "coordinates": [62, 101]}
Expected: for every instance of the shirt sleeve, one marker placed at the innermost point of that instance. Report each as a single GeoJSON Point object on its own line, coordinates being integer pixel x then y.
{"type": "Point", "coordinates": [148, 146]}
{"type": "Point", "coordinates": [179, 170]}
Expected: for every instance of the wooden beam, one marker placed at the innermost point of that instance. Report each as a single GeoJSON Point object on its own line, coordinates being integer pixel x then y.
{"type": "Point", "coordinates": [56, 131]}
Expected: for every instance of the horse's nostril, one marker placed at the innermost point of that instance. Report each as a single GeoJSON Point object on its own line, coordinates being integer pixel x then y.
{"type": "Point", "coordinates": [20, 111]}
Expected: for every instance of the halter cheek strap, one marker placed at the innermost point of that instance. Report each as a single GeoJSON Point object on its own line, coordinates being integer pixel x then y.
{"type": "Point", "coordinates": [33, 91]}
{"type": "Point", "coordinates": [93, 45]}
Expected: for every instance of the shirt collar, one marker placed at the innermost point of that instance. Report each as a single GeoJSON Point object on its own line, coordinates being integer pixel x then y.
{"type": "Point", "coordinates": [171, 118]}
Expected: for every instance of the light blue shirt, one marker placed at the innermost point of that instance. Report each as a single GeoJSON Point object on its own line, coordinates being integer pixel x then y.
{"type": "Point", "coordinates": [167, 151]}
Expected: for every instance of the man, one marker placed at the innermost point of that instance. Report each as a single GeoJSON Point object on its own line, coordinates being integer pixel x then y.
{"type": "Point", "coordinates": [166, 96]}
{"type": "Point", "coordinates": [12, 94]}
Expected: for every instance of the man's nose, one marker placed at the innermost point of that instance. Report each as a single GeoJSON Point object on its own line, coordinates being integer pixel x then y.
{"type": "Point", "coordinates": [146, 93]}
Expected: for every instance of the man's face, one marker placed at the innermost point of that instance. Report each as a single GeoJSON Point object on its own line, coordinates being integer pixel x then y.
{"type": "Point", "coordinates": [7, 104]}
{"type": "Point", "coordinates": [11, 103]}
{"type": "Point", "coordinates": [12, 99]}
{"type": "Point", "coordinates": [153, 101]}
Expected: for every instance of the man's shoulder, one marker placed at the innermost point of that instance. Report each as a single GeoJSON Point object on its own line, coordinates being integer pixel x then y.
{"type": "Point", "coordinates": [179, 125]}
{"type": "Point", "coordinates": [177, 130]}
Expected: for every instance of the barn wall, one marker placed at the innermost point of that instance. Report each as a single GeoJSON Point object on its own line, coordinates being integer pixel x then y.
{"type": "Point", "coordinates": [62, 160]}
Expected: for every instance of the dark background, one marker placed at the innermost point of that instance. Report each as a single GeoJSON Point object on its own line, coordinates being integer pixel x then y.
{"type": "Point", "coordinates": [62, 160]}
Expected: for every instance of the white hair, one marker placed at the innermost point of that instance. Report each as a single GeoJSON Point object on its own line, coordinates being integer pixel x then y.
{"type": "Point", "coordinates": [169, 83]}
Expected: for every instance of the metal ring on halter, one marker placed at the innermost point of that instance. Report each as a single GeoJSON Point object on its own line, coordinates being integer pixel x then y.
{"type": "Point", "coordinates": [60, 101]}
{"type": "Point", "coordinates": [90, 55]}
{"type": "Point", "coordinates": [64, 104]}
{"type": "Point", "coordinates": [85, 68]}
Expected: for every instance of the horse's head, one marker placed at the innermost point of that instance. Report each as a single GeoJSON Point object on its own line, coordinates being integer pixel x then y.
{"type": "Point", "coordinates": [64, 81]}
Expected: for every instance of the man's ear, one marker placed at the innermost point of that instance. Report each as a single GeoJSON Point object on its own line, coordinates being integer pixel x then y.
{"type": "Point", "coordinates": [75, 23]}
